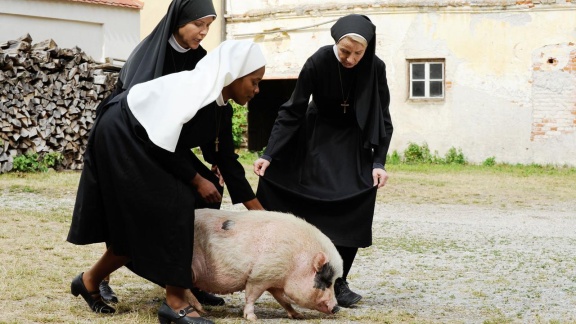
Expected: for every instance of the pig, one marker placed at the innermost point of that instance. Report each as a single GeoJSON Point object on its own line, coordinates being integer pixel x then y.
{"type": "Point", "coordinates": [258, 251]}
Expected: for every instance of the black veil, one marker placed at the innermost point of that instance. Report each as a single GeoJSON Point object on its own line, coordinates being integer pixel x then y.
{"type": "Point", "coordinates": [146, 61]}
{"type": "Point", "coordinates": [368, 106]}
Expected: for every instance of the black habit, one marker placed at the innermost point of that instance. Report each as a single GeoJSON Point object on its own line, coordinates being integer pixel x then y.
{"type": "Point", "coordinates": [154, 56]}
{"type": "Point", "coordinates": [138, 198]}
{"type": "Point", "coordinates": [322, 156]}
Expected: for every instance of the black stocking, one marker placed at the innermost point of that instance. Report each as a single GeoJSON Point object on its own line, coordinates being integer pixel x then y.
{"type": "Point", "coordinates": [348, 254]}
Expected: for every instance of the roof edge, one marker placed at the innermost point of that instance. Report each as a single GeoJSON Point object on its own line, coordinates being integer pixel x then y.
{"type": "Point", "coordinates": [134, 4]}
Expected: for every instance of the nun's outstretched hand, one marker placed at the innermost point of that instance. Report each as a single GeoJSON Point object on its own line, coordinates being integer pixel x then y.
{"type": "Point", "coordinates": [206, 189]}
{"type": "Point", "coordinates": [260, 166]}
{"type": "Point", "coordinates": [380, 176]}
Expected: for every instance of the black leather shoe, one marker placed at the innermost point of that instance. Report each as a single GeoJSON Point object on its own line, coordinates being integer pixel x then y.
{"type": "Point", "coordinates": [107, 293]}
{"type": "Point", "coordinates": [167, 315]}
{"type": "Point", "coordinates": [93, 299]}
{"type": "Point", "coordinates": [344, 295]}
{"type": "Point", "coordinates": [205, 298]}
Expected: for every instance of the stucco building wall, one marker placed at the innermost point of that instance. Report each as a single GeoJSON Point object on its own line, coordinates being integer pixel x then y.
{"type": "Point", "coordinates": [99, 30]}
{"type": "Point", "coordinates": [510, 76]}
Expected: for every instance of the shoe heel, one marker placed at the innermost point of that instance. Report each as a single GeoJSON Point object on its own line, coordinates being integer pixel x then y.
{"type": "Point", "coordinates": [74, 290]}
{"type": "Point", "coordinates": [95, 303]}
{"type": "Point", "coordinates": [163, 320]}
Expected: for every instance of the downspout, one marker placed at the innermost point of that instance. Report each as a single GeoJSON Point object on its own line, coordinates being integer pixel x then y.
{"type": "Point", "coordinates": [223, 20]}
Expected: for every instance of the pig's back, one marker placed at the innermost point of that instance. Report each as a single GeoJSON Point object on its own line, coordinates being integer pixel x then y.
{"type": "Point", "coordinates": [234, 247]}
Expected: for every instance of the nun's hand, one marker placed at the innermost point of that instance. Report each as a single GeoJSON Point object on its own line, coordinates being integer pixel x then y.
{"type": "Point", "coordinates": [380, 176]}
{"type": "Point", "coordinates": [260, 166]}
{"type": "Point", "coordinates": [217, 173]}
{"type": "Point", "coordinates": [206, 189]}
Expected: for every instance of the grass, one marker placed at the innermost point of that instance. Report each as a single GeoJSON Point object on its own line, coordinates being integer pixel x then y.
{"type": "Point", "coordinates": [53, 184]}
{"type": "Point", "coordinates": [502, 185]}
{"type": "Point", "coordinates": [499, 185]}
{"type": "Point", "coordinates": [36, 263]}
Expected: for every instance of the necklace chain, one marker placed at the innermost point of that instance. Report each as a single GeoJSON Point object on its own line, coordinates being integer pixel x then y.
{"type": "Point", "coordinates": [174, 61]}
{"type": "Point", "coordinates": [218, 116]}
{"type": "Point", "coordinates": [344, 103]}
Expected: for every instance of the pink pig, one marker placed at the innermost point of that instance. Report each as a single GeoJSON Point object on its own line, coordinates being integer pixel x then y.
{"type": "Point", "coordinates": [260, 251]}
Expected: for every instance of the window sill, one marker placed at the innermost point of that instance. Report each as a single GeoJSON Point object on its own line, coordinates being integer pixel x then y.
{"type": "Point", "coordinates": [426, 100]}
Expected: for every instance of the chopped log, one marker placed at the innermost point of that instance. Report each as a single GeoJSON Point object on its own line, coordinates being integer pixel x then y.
{"type": "Point", "coordinates": [40, 57]}
{"type": "Point", "coordinates": [17, 47]}
{"type": "Point", "coordinates": [48, 99]}
{"type": "Point", "coordinates": [48, 45]}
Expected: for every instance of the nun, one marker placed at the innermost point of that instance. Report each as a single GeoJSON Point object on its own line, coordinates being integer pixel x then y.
{"type": "Point", "coordinates": [325, 157]}
{"type": "Point", "coordinates": [173, 46]}
{"type": "Point", "coordinates": [137, 188]}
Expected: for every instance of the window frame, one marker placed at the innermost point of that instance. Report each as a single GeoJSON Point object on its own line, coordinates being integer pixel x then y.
{"type": "Point", "coordinates": [426, 79]}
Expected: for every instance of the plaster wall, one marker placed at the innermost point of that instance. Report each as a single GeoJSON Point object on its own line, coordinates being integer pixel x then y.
{"type": "Point", "coordinates": [491, 57]}
{"type": "Point", "coordinates": [100, 31]}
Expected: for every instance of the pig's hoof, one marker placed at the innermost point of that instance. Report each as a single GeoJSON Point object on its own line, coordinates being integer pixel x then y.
{"type": "Point", "coordinates": [206, 298]}
{"type": "Point", "coordinates": [250, 317]}
{"type": "Point", "coordinates": [296, 315]}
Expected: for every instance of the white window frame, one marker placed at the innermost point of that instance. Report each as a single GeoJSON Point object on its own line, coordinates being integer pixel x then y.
{"type": "Point", "coordinates": [426, 78]}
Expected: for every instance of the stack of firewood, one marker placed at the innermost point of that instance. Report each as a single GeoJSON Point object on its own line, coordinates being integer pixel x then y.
{"type": "Point", "coordinates": [48, 99]}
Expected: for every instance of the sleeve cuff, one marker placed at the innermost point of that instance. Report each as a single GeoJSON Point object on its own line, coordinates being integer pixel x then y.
{"type": "Point", "coordinates": [266, 157]}
{"type": "Point", "coordinates": [378, 166]}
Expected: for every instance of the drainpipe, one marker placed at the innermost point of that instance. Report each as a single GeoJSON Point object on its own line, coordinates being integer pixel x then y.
{"type": "Point", "coordinates": [223, 20]}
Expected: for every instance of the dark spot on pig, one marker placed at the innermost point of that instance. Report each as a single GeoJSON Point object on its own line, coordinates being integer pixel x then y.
{"type": "Point", "coordinates": [227, 225]}
{"type": "Point", "coordinates": [324, 277]}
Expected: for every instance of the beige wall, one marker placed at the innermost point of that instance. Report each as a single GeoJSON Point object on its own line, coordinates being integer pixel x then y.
{"type": "Point", "coordinates": [100, 31]}
{"type": "Point", "coordinates": [154, 10]}
{"type": "Point", "coordinates": [510, 72]}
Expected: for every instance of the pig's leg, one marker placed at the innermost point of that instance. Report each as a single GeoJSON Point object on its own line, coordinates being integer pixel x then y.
{"type": "Point", "coordinates": [278, 294]}
{"type": "Point", "coordinates": [194, 302]}
{"type": "Point", "coordinates": [252, 293]}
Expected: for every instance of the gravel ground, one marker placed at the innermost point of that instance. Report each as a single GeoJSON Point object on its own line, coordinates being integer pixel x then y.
{"type": "Point", "coordinates": [461, 263]}
{"type": "Point", "coordinates": [468, 264]}
{"type": "Point", "coordinates": [443, 264]}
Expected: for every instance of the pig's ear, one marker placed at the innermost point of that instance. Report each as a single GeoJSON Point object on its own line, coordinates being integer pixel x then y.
{"type": "Point", "coordinates": [319, 260]}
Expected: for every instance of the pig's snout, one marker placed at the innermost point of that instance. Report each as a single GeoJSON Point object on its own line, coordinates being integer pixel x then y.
{"type": "Point", "coordinates": [335, 309]}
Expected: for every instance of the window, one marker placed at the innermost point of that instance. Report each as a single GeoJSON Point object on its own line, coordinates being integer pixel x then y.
{"type": "Point", "coordinates": [426, 79]}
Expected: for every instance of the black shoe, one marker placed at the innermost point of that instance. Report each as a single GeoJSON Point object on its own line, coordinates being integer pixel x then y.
{"type": "Point", "coordinates": [167, 315]}
{"type": "Point", "coordinates": [344, 295]}
{"type": "Point", "coordinates": [205, 298]}
{"type": "Point", "coordinates": [93, 299]}
{"type": "Point", "coordinates": [107, 293]}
